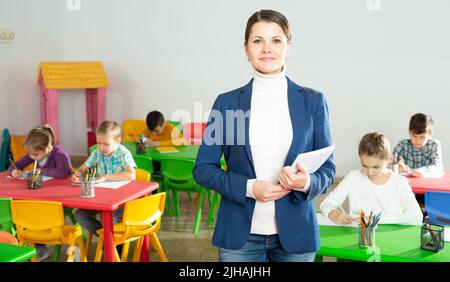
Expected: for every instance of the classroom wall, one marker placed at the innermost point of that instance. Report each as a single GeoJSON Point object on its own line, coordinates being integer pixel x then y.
{"type": "Point", "coordinates": [376, 67]}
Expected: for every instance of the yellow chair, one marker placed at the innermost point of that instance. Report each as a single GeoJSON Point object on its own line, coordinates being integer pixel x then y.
{"type": "Point", "coordinates": [42, 222]}
{"type": "Point", "coordinates": [132, 129]}
{"type": "Point", "coordinates": [17, 149]}
{"type": "Point", "coordinates": [141, 217]}
{"type": "Point", "coordinates": [142, 175]}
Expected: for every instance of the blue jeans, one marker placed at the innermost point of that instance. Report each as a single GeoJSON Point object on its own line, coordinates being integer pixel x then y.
{"type": "Point", "coordinates": [87, 220]}
{"type": "Point", "coordinates": [263, 248]}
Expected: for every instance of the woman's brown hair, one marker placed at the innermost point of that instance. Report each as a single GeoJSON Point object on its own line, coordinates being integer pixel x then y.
{"type": "Point", "coordinates": [268, 16]}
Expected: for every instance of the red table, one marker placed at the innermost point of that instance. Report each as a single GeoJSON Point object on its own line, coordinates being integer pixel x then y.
{"type": "Point", "coordinates": [105, 200]}
{"type": "Point", "coordinates": [420, 185]}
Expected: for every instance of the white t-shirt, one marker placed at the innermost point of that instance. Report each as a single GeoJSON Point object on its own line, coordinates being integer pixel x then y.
{"type": "Point", "coordinates": [394, 198]}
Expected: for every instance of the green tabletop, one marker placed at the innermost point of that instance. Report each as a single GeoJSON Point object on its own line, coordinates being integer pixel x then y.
{"type": "Point", "coordinates": [15, 253]}
{"type": "Point", "coordinates": [188, 152]}
{"type": "Point", "coordinates": [394, 243]}
{"type": "Point", "coordinates": [184, 152]}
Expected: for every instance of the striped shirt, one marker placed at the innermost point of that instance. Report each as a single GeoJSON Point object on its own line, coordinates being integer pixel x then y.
{"type": "Point", "coordinates": [119, 161]}
{"type": "Point", "coordinates": [427, 159]}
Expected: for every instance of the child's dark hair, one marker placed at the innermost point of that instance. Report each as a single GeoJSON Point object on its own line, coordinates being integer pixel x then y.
{"type": "Point", "coordinates": [154, 119]}
{"type": "Point", "coordinates": [267, 16]}
{"type": "Point", "coordinates": [420, 123]}
{"type": "Point", "coordinates": [109, 128]}
{"type": "Point", "coordinates": [375, 144]}
{"type": "Point", "coordinates": [40, 137]}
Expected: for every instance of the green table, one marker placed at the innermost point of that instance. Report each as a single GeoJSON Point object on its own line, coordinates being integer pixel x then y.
{"type": "Point", "coordinates": [394, 243]}
{"type": "Point", "coordinates": [15, 253]}
{"type": "Point", "coordinates": [184, 152]}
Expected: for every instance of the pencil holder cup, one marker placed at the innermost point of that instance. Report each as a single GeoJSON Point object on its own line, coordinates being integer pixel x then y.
{"type": "Point", "coordinates": [88, 189]}
{"type": "Point", "coordinates": [432, 237]}
{"type": "Point", "coordinates": [366, 236]}
{"type": "Point", "coordinates": [140, 148]}
{"type": "Point", "coordinates": [34, 180]}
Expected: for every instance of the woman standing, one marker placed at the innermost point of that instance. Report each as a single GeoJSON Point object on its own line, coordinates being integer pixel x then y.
{"type": "Point", "coordinates": [266, 211]}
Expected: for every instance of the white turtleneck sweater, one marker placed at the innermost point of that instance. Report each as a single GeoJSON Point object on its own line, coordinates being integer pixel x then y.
{"type": "Point", "coordinates": [270, 135]}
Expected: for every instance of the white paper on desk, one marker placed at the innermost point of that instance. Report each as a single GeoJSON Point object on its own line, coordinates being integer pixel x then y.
{"type": "Point", "coordinates": [111, 184]}
{"type": "Point", "coordinates": [44, 178]}
{"type": "Point", "coordinates": [447, 234]}
{"type": "Point", "coordinates": [314, 159]}
{"type": "Point", "coordinates": [323, 220]}
{"type": "Point", "coordinates": [438, 174]}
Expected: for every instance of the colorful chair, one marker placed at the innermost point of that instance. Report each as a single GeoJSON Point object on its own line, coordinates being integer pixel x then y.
{"type": "Point", "coordinates": [177, 174]}
{"type": "Point", "coordinates": [5, 150]}
{"type": "Point", "coordinates": [193, 132]}
{"type": "Point", "coordinates": [42, 222]}
{"type": "Point", "coordinates": [437, 207]}
{"type": "Point", "coordinates": [6, 223]}
{"type": "Point", "coordinates": [145, 162]}
{"type": "Point", "coordinates": [132, 129]}
{"type": "Point", "coordinates": [8, 238]}
{"type": "Point", "coordinates": [17, 149]}
{"type": "Point", "coordinates": [142, 175]}
{"type": "Point", "coordinates": [141, 217]}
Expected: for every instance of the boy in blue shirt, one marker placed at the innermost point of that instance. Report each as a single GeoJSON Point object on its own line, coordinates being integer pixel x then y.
{"type": "Point", "coordinates": [420, 154]}
{"type": "Point", "coordinates": [114, 162]}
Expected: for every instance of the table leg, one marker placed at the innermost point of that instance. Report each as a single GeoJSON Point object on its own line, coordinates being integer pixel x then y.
{"type": "Point", "coordinates": [108, 233]}
{"type": "Point", "coordinates": [145, 249]}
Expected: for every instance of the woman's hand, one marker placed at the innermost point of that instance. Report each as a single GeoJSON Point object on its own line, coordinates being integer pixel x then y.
{"type": "Point", "coordinates": [340, 217]}
{"type": "Point", "coordinates": [289, 180]}
{"type": "Point", "coordinates": [265, 191]}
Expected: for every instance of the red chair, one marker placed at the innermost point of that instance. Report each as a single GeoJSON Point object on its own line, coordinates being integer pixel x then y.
{"type": "Point", "coordinates": [8, 238]}
{"type": "Point", "coordinates": [193, 132]}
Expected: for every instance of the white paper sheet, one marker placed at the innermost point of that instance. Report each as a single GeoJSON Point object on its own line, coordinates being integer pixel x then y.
{"type": "Point", "coordinates": [22, 177]}
{"type": "Point", "coordinates": [447, 234]}
{"type": "Point", "coordinates": [322, 220]}
{"type": "Point", "coordinates": [426, 175]}
{"type": "Point", "coordinates": [313, 160]}
{"type": "Point", "coordinates": [111, 184]}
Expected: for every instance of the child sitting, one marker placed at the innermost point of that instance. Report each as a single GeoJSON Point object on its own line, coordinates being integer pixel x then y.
{"type": "Point", "coordinates": [420, 154]}
{"type": "Point", "coordinates": [162, 133]}
{"type": "Point", "coordinates": [113, 161]}
{"type": "Point", "coordinates": [50, 158]}
{"type": "Point", "coordinates": [374, 188]}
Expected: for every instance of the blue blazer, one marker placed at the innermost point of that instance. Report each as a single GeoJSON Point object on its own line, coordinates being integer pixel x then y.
{"type": "Point", "coordinates": [295, 213]}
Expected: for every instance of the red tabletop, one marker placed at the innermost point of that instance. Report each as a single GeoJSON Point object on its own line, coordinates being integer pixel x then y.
{"type": "Point", "coordinates": [61, 190]}
{"type": "Point", "coordinates": [420, 185]}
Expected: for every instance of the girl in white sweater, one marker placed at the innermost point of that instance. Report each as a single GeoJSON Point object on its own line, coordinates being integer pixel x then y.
{"type": "Point", "coordinates": [374, 188]}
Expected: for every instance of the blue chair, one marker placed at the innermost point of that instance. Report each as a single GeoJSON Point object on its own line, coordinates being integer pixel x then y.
{"type": "Point", "coordinates": [437, 206]}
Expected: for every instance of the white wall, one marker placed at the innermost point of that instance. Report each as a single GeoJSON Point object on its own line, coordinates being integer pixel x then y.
{"type": "Point", "coordinates": [376, 68]}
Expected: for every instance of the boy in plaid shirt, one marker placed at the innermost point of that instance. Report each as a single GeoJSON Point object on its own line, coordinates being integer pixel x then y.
{"type": "Point", "coordinates": [420, 154]}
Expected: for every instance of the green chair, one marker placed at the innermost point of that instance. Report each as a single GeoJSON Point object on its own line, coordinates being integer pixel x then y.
{"type": "Point", "coordinates": [177, 176]}
{"type": "Point", "coordinates": [177, 124]}
{"type": "Point", "coordinates": [6, 223]}
{"type": "Point", "coordinates": [5, 153]}
{"type": "Point", "coordinates": [146, 163]}
{"type": "Point", "coordinates": [92, 148]}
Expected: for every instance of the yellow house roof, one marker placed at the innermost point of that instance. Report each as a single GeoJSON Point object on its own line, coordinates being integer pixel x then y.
{"type": "Point", "coordinates": [73, 75]}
